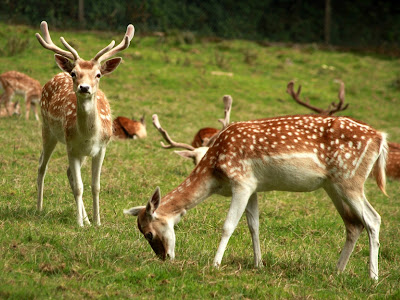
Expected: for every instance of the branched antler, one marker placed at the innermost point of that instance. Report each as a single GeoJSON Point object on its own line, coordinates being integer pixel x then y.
{"type": "Point", "coordinates": [102, 55]}
{"type": "Point", "coordinates": [164, 133]}
{"type": "Point", "coordinates": [109, 51]}
{"type": "Point", "coordinates": [333, 107]}
{"type": "Point", "coordinates": [47, 43]}
{"type": "Point", "coordinates": [339, 106]}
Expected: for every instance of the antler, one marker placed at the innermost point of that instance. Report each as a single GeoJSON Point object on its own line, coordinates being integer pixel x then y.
{"type": "Point", "coordinates": [47, 43]}
{"type": "Point", "coordinates": [227, 99]}
{"type": "Point", "coordinates": [339, 106]}
{"type": "Point", "coordinates": [333, 107]}
{"type": "Point", "coordinates": [295, 96]}
{"type": "Point", "coordinates": [109, 51]}
{"type": "Point", "coordinates": [167, 138]}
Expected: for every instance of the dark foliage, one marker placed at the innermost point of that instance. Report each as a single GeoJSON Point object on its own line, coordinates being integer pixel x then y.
{"type": "Point", "coordinates": [354, 23]}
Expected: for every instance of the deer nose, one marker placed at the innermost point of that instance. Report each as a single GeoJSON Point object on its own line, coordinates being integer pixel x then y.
{"type": "Point", "coordinates": [84, 88]}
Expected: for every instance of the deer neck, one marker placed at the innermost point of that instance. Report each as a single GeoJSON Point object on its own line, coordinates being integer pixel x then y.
{"type": "Point", "coordinates": [198, 186]}
{"type": "Point", "coordinates": [87, 117]}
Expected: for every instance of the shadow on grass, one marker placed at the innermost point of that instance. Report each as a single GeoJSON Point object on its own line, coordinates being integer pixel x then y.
{"type": "Point", "coordinates": [17, 213]}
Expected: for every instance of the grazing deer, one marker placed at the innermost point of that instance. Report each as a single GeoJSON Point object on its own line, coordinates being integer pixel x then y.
{"type": "Point", "coordinates": [125, 128]}
{"type": "Point", "coordinates": [203, 138]}
{"type": "Point", "coordinates": [299, 153]}
{"type": "Point", "coordinates": [13, 82]}
{"type": "Point", "coordinates": [76, 112]}
{"type": "Point", "coordinates": [393, 160]}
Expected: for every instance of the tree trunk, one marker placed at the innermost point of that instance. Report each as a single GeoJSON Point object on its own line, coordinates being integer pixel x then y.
{"type": "Point", "coordinates": [327, 29]}
{"type": "Point", "coordinates": [81, 13]}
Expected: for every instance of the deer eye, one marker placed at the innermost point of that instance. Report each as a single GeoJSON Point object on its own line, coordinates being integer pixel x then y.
{"type": "Point", "coordinates": [148, 236]}
{"type": "Point", "coordinates": [98, 75]}
{"type": "Point", "coordinates": [73, 74]}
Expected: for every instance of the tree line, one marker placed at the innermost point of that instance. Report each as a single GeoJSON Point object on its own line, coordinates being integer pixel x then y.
{"type": "Point", "coordinates": [345, 22]}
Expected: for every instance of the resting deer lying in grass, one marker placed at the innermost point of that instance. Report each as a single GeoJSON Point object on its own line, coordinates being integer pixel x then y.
{"type": "Point", "coordinates": [125, 128]}
{"type": "Point", "coordinates": [76, 112]}
{"type": "Point", "coordinates": [12, 108]}
{"type": "Point", "coordinates": [393, 161]}
{"type": "Point", "coordinates": [203, 138]}
{"type": "Point", "coordinates": [16, 83]}
{"type": "Point", "coordinates": [293, 153]}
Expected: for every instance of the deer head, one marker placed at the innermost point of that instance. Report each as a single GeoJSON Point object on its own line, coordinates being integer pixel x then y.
{"type": "Point", "coordinates": [156, 228]}
{"type": "Point", "coordinates": [85, 74]}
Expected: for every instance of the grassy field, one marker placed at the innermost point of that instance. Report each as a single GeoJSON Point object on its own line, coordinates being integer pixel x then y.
{"type": "Point", "coordinates": [46, 255]}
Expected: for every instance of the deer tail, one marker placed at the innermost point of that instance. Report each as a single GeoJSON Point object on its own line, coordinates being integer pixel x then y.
{"type": "Point", "coordinates": [380, 164]}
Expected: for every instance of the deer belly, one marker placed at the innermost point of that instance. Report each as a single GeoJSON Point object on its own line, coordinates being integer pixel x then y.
{"type": "Point", "coordinates": [292, 172]}
{"type": "Point", "coordinates": [88, 147]}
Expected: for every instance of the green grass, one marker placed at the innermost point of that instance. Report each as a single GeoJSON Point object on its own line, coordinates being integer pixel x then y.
{"type": "Point", "coordinates": [46, 255]}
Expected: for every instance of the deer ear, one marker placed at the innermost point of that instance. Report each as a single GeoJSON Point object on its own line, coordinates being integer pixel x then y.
{"type": "Point", "coordinates": [134, 211]}
{"type": "Point", "coordinates": [64, 63]}
{"type": "Point", "coordinates": [110, 65]}
{"type": "Point", "coordinates": [186, 154]}
{"type": "Point", "coordinates": [154, 202]}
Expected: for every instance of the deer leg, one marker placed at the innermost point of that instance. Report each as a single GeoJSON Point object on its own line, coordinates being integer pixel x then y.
{"type": "Point", "coordinates": [358, 213]}
{"type": "Point", "coordinates": [49, 143]}
{"type": "Point", "coordinates": [97, 162]}
{"type": "Point", "coordinates": [71, 183]}
{"type": "Point", "coordinates": [252, 216]}
{"type": "Point", "coordinates": [240, 198]}
{"type": "Point", "coordinates": [35, 108]}
{"type": "Point", "coordinates": [31, 103]}
{"type": "Point", "coordinates": [372, 221]}
{"type": "Point", "coordinates": [27, 107]}
{"type": "Point", "coordinates": [352, 223]}
{"type": "Point", "coordinates": [77, 185]}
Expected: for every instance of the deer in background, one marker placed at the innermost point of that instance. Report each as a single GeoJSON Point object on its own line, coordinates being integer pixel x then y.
{"type": "Point", "coordinates": [124, 128]}
{"type": "Point", "coordinates": [393, 161]}
{"type": "Point", "coordinates": [76, 112]}
{"type": "Point", "coordinates": [299, 153]}
{"type": "Point", "coordinates": [16, 83]}
{"type": "Point", "coordinates": [203, 138]}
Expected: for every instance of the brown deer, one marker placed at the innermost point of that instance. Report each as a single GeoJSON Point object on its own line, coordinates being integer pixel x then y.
{"type": "Point", "coordinates": [76, 112]}
{"type": "Point", "coordinates": [203, 138]}
{"type": "Point", "coordinates": [299, 153]}
{"type": "Point", "coordinates": [393, 161]}
{"type": "Point", "coordinates": [17, 83]}
{"type": "Point", "coordinates": [125, 128]}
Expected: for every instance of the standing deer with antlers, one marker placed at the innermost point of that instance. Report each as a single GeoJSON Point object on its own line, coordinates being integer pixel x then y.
{"type": "Point", "coordinates": [299, 153]}
{"type": "Point", "coordinates": [76, 112]}
{"type": "Point", "coordinates": [16, 83]}
{"type": "Point", "coordinates": [393, 160]}
{"type": "Point", "coordinates": [203, 139]}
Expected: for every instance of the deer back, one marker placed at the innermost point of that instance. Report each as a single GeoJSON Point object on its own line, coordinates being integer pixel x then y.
{"type": "Point", "coordinates": [278, 152]}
